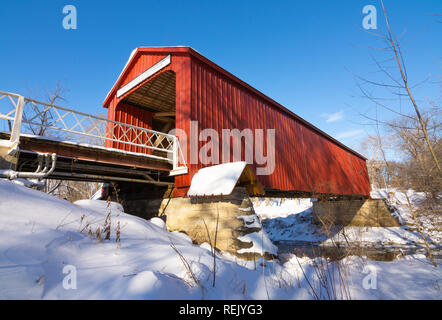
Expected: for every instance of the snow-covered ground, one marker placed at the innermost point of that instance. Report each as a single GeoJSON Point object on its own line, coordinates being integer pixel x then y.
{"type": "Point", "coordinates": [49, 249]}
{"type": "Point", "coordinates": [401, 200]}
{"type": "Point", "coordinates": [290, 220]}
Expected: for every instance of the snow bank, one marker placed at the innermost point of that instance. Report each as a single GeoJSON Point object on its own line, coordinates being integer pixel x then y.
{"type": "Point", "coordinates": [44, 237]}
{"type": "Point", "coordinates": [41, 235]}
{"type": "Point", "coordinates": [261, 243]}
{"type": "Point", "coordinates": [400, 201]}
{"type": "Point", "coordinates": [411, 277]}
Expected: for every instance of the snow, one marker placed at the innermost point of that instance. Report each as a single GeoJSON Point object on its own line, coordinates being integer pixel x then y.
{"type": "Point", "coordinates": [376, 236]}
{"type": "Point", "coordinates": [216, 180]}
{"type": "Point", "coordinates": [5, 143]}
{"type": "Point", "coordinates": [411, 277]}
{"type": "Point", "coordinates": [206, 246]}
{"type": "Point", "coordinates": [288, 220]}
{"type": "Point", "coordinates": [261, 243]}
{"type": "Point", "coordinates": [97, 195]}
{"type": "Point", "coordinates": [158, 222]}
{"type": "Point", "coordinates": [398, 200]}
{"type": "Point", "coordinates": [276, 208]}
{"type": "Point", "coordinates": [31, 183]}
{"type": "Point", "coordinates": [251, 221]}
{"type": "Point", "coordinates": [184, 237]}
{"type": "Point", "coordinates": [43, 236]}
{"type": "Point", "coordinates": [291, 221]}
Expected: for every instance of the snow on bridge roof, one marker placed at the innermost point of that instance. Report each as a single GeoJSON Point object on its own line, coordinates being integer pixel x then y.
{"type": "Point", "coordinates": [222, 179]}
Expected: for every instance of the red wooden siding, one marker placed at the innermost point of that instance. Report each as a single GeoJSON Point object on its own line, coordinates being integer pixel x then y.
{"type": "Point", "coordinates": [306, 158]}
{"type": "Point", "coordinates": [138, 117]}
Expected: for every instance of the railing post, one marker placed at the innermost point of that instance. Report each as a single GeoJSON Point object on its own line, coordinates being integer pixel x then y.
{"type": "Point", "coordinates": [176, 169]}
{"type": "Point", "coordinates": [175, 153]}
{"type": "Point", "coordinates": [16, 128]}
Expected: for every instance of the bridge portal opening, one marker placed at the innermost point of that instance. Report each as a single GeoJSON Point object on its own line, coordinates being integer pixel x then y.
{"type": "Point", "coordinates": [152, 106]}
{"type": "Point", "coordinates": [155, 99]}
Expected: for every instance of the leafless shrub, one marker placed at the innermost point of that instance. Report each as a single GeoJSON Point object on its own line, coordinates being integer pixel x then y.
{"type": "Point", "coordinates": [330, 278]}
{"type": "Point", "coordinates": [71, 190]}
{"type": "Point", "coordinates": [212, 245]}
{"type": "Point", "coordinates": [419, 229]}
{"type": "Point", "coordinates": [118, 232]}
{"type": "Point", "coordinates": [102, 232]}
{"type": "Point", "coordinates": [195, 281]}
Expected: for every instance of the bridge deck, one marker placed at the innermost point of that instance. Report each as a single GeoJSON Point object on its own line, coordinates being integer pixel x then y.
{"type": "Point", "coordinates": [92, 163]}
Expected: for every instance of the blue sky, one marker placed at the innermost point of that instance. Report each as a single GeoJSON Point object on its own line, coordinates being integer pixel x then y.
{"type": "Point", "coordinates": [303, 54]}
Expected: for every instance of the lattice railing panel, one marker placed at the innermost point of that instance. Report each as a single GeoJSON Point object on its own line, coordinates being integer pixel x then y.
{"type": "Point", "coordinates": [23, 115]}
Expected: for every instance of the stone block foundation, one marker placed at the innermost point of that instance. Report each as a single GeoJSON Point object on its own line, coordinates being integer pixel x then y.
{"type": "Point", "coordinates": [360, 213]}
{"type": "Point", "coordinates": [223, 219]}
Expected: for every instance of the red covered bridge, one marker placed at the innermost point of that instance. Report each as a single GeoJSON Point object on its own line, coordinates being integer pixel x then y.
{"type": "Point", "coordinates": [167, 88]}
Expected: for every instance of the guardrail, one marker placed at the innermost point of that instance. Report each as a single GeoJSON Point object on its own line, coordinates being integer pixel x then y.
{"type": "Point", "coordinates": [35, 117]}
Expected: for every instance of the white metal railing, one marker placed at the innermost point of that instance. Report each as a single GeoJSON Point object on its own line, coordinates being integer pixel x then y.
{"type": "Point", "coordinates": [24, 115]}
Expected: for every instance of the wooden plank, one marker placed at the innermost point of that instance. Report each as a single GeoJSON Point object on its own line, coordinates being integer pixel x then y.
{"type": "Point", "coordinates": [164, 114]}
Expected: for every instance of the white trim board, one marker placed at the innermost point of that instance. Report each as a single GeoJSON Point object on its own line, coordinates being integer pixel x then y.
{"type": "Point", "coordinates": [143, 76]}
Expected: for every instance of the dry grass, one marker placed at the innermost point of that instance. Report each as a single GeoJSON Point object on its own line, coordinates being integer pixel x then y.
{"type": "Point", "coordinates": [194, 280]}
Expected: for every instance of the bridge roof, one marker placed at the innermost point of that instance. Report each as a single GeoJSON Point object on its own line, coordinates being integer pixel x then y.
{"type": "Point", "coordinates": [185, 50]}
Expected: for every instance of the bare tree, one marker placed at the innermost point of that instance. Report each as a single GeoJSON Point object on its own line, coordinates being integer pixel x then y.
{"type": "Point", "coordinates": [378, 173]}
{"type": "Point", "coordinates": [43, 118]}
{"type": "Point", "coordinates": [397, 83]}
{"type": "Point", "coordinates": [421, 172]}
{"type": "Point", "coordinates": [71, 190]}
{"type": "Point", "coordinates": [412, 130]}
{"type": "Point", "coordinates": [394, 44]}
{"type": "Point", "coordinates": [415, 167]}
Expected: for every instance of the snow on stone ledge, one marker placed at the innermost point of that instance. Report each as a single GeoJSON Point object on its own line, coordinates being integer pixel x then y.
{"type": "Point", "coordinates": [216, 180]}
{"type": "Point", "coordinates": [261, 243]}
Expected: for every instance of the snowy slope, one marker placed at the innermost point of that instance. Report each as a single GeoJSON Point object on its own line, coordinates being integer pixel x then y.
{"type": "Point", "coordinates": [41, 235]}
{"type": "Point", "coordinates": [431, 223]}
